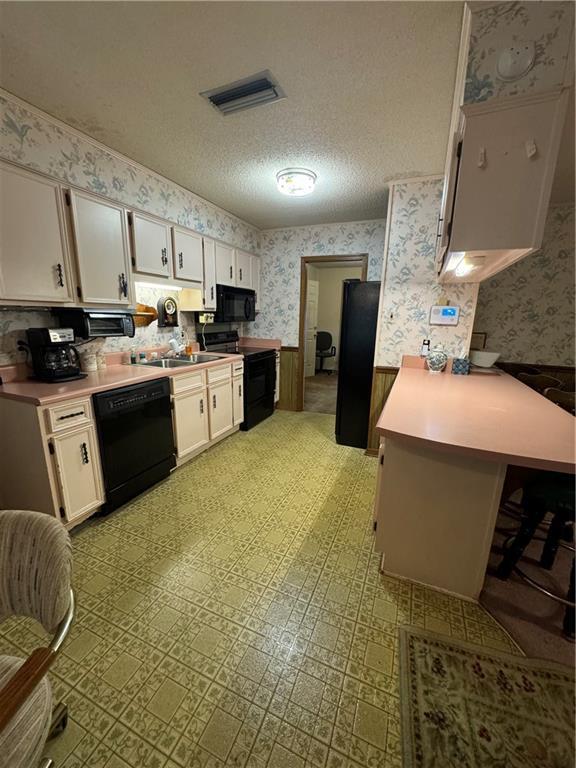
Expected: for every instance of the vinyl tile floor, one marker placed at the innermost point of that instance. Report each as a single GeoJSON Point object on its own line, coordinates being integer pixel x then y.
{"type": "Point", "coordinates": [235, 616]}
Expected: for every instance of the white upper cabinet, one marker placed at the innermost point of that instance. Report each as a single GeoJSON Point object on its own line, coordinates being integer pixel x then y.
{"type": "Point", "coordinates": [151, 245]}
{"type": "Point", "coordinates": [225, 264]}
{"type": "Point", "coordinates": [209, 247]}
{"type": "Point", "coordinates": [243, 269]}
{"type": "Point", "coordinates": [255, 265]}
{"type": "Point", "coordinates": [101, 242]}
{"type": "Point", "coordinates": [34, 264]}
{"type": "Point", "coordinates": [187, 255]}
{"type": "Point", "coordinates": [497, 189]}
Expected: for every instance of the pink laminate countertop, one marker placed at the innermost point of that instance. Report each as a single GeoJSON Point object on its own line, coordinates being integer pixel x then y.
{"type": "Point", "coordinates": [44, 393]}
{"type": "Point", "coordinates": [496, 418]}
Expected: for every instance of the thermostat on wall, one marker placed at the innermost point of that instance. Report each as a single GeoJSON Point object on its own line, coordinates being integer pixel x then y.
{"type": "Point", "coordinates": [444, 315]}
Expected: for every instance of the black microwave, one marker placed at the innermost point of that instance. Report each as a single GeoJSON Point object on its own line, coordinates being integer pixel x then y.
{"type": "Point", "coordinates": [234, 304]}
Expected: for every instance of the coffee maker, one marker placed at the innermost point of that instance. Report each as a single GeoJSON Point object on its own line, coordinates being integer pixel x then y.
{"type": "Point", "coordinates": [53, 356]}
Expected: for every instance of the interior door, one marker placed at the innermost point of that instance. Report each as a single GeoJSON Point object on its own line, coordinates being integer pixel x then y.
{"type": "Point", "coordinates": [243, 270]}
{"type": "Point", "coordinates": [79, 473]}
{"type": "Point", "coordinates": [187, 255]}
{"type": "Point", "coordinates": [33, 252]}
{"type": "Point", "coordinates": [101, 240]}
{"type": "Point", "coordinates": [190, 422]}
{"type": "Point", "coordinates": [151, 241]}
{"type": "Point", "coordinates": [311, 327]}
{"type": "Point", "coordinates": [221, 413]}
{"type": "Point", "coordinates": [224, 264]}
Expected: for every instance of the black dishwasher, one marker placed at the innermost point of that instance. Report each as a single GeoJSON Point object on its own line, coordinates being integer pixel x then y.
{"type": "Point", "coordinates": [136, 439]}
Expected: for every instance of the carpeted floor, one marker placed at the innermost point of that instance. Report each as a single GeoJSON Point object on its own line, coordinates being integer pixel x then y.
{"type": "Point", "coordinates": [235, 615]}
{"type": "Point", "coordinates": [533, 619]}
{"type": "Point", "coordinates": [320, 393]}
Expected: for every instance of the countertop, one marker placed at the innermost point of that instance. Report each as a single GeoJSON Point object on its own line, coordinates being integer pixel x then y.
{"type": "Point", "coordinates": [496, 418]}
{"type": "Point", "coordinates": [44, 393]}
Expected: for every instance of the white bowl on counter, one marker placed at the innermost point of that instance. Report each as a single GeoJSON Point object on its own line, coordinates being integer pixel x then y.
{"type": "Point", "coordinates": [483, 358]}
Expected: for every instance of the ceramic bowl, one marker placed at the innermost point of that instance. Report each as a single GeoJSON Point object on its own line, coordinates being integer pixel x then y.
{"type": "Point", "coordinates": [483, 358]}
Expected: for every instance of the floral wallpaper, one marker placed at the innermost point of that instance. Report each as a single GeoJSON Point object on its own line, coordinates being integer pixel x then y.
{"type": "Point", "coordinates": [527, 311]}
{"type": "Point", "coordinates": [410, 288]}
{"type": "Point", "coordinates": [549, 25]}
{"type": "Point", "coordinates": [281, 251]}
{"type": "Point", "coordinates": [33, 139]}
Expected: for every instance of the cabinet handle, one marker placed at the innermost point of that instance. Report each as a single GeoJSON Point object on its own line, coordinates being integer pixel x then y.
{"type": "Point", "coordinates": [240, 274]}
{"type": "Point", "coordinates": [214, 401]}
{"type": "Point", "coordinates": [201, 405]}
{"type": "Point", "coordinates": [60, 275]}
{"type": "Point", "coordinates": [84, 452]}
{"type": "Point", "coordinates": [181, 260]}
{"type": "Point", "coordinates": [211, 293]}
{"type": "Point", "coordinates": [164, 257]}
{"type": "Point", "coordinates": [230, 272]}
{"type": "Point", "coordinates": [239, 390]}
{"type": "Point", "coordinates": [123, 285]}
{"type": "Point", "coordinates": [71, 415]}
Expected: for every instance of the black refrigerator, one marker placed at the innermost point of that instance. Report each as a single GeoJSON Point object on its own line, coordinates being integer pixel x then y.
{"type": "Point", "coordinates": [355, 367]}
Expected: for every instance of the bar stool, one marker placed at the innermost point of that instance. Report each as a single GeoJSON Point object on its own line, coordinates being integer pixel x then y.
{"type": "Point", "coordinates": [563, 399]}
{"type": "Point", "coordinates": [540, 381]}
{"type": "Point", "coordinates": [548, 492]}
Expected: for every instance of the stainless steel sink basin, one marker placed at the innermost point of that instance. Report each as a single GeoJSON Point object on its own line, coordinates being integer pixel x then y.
{"type": "Point", "coordinates": [165, 362]}
{"type": "Point", "coordinates": [178, 362]}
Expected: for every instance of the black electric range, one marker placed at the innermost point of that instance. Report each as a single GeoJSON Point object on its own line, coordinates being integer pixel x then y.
{"type": "Point", "coordinates": [259, 374]}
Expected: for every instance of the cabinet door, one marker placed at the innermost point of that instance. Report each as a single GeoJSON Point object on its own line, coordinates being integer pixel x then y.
{"type": "Point", "coordinates": [34, 263]}
{"type": "Point", "coordinates": [151, 243]}
{"type": "Point", "coordinates": [221, 418]}
{"type": "Point", "coordinates": [78, 471]}
{"type": "Point", "coordinates": [238, 400]}
{"type": "Point", "coordinates": [224, 265]}
{"type": "Point", "coordinates": [101, 242]}
{"type": "Point", "coordinates": [256, 279]}
{"type": "Point", "coordinates": [187, 255]}
{"type": "Point", "coordinates": [190, 422]}
{"type": "Point", "coordinates": [243, 270]}
{"type": "Point", "coordinates": [209, 274]}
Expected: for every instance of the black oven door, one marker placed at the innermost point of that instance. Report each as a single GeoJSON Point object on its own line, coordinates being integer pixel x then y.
{"type": "Point", "coordinates": [235, 305]}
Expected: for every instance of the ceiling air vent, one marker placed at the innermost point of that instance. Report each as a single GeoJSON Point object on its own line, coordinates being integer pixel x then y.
{"type": "Point", "coordinates": [253, 91]}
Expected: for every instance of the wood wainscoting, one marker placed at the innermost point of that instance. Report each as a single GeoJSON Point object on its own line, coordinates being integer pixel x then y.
{"type": "Point", "coordinates": [289, 379]}
{"type": "Point", "coordinates": [382, 382]}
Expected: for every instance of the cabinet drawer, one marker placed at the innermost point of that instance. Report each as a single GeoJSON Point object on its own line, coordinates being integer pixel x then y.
{"type": "Point", "coordinates": [68, 415]}
{"type": "Point", "coordinates": [238, 368]}
{"type": "Point", "coordinates": [221, 373]}
{"type": "Point", "coordinates": [188, 381]}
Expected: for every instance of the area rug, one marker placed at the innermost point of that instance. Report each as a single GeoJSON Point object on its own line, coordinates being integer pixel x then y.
{"type": "Point", "coordinates": [466, 706]}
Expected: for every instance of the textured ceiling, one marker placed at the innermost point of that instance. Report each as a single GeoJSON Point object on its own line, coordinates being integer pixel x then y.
{"type": "Point", "coordinates": [369, 89]}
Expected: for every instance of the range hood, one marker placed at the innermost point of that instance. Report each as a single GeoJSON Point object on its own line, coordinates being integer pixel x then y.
{"type": "Point", "coordinates": [497, 186]}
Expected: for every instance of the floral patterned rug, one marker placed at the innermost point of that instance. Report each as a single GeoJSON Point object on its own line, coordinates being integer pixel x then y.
{"type": "Point", "coordinates": [466, 706]}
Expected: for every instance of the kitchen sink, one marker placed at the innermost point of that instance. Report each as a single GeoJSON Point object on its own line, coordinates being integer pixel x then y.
{"type": "Point", "coordinates": [178, 362]}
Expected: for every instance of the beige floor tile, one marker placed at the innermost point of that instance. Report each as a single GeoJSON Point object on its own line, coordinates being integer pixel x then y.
{"type": "Point", "coordinates": [82, 645]}
{"type": "Point", "coordinates": [325, 635]}
{"type": "Point", "coordinates": [254, 664]}
{"type": "Point", "coordinates": [165, 619]}
{"type": "Point", "coordinates": [235, 596]}
{"type": "Point", "coordinates": [383, 609]}
{"type": "Point", "coordinates": [307, 692]}
{"type": "Point", "coordinates": [220, 733]}
{"type": "Point", "coordinates": [128, 600]}
{"type": "Point", "coordinates": [283, 758]}
{"type": "Point", "coordinates": [371, 724]}
{"type": "Point", "coordinates": [207, 640]}
{"type": "Point", "coordinates": [166, 700]}
{"type": "Point", "coordinates": [379, 657]}
{"type": "Point", "coordinates": [118, 674]}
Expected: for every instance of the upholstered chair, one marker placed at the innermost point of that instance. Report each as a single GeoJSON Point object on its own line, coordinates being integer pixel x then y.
{"type": "Point", "coordinates": [35, 581]}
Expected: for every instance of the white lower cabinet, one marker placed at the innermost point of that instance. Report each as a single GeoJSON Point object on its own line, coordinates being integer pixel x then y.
{"type": "Point", "coordinates": [78, 471]}
{"type": "Point", "coordinates": [221, 411]}
{"type": "Point", "coordinates": [191, 427]}
{"type": "Point", "coordinates": [238, 400]}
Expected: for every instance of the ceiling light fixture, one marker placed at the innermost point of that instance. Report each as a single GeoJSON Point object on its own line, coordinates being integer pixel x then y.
{"type": "Point", "coordinates": [296, 182]}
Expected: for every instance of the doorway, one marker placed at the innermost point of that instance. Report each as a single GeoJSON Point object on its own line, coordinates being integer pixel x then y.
{"type": "Point", "coordinates": [320, 315]}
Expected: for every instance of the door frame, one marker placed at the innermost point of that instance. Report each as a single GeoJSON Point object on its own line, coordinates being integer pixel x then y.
{"type": "Point", "coordinates": [359, 258]}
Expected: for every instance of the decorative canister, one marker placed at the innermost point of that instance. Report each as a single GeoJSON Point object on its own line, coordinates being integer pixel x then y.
{"type": "Point", "coordinates": [437, 359]}
{"type": "Point", "coordinates": [88, 362]}
{"type": "Point", "coordinates": [461, 366]}
{"type": "Point", "coordinates": [101, 361]}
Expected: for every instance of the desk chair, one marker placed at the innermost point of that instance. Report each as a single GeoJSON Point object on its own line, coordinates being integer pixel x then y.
{"type": "Point", "coordinates": [540, 381]}
{"type": "Point", "coordinates": [35, 573]}
{"type": "Point", "coordinates": [324, 348]}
